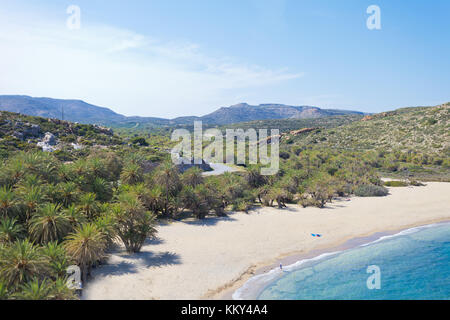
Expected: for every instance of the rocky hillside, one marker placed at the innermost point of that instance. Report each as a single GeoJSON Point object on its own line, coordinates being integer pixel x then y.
{"type": "Point", "coordinates": [20, 132]}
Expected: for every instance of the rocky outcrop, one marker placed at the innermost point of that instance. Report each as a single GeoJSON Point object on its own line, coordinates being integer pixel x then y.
{"type": "Point", "coordinates": [32, 130]}
{"type": "Point", "coordinates": [76, 146]}
{"type": "Point", "coordinates": [23, 130]}
{"type": "Point", "coordinates": [48, 143]}
{"type": "Point", "coordinates": [49, 139]}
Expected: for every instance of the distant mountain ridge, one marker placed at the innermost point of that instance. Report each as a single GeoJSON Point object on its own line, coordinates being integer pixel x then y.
{"type": "Point", "coordinates": [82, 112]}
{"type": "Point", "coordinates": [244, 112]}
{"type": "Point", "coordinates": [72, 110]}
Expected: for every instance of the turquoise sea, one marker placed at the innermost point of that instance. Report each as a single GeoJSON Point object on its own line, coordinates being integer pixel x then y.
{"type": "Point", "coordinates": [413, 264]}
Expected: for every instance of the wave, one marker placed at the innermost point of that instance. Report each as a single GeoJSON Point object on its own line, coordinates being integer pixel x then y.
{"type": "Point", "coordinates": [255, 285]}
{"type": "Point", "coordinates": [405, 232]}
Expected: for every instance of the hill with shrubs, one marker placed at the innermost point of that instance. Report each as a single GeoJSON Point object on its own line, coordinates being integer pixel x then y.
{"type": "Point", "coordinates": [21, 132]}
{"type": "Point", "coordinates": [422, 129]}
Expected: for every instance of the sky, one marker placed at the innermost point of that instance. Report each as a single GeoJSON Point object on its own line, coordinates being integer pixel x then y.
{"type": "Point", "coordinates": [169, 58]}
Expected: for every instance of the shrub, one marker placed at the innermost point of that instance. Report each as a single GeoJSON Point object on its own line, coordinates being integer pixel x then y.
{"type": "Point", "coordinates": [309, 202]}
{"type": "Point", "coordinates": [321, 189]}
{"type": "Point", "coordinates": [371, 191]}
{"type": "Point", "coordinates": [284, 155]}
{"type": "Point", "coordinates": [396, 183]}
{"type": "Point", "coordinates": [241, 205]}
{"type": "Point", "coordinates": [139, 141]}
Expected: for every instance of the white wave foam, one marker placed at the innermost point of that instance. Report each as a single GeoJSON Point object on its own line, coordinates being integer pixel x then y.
{"type": "Point", "coordinates": [403, 233]}
{"type": "Point", "coordinates": [255, 284]}
{"type": "Point", "coordinates": [251, 288]}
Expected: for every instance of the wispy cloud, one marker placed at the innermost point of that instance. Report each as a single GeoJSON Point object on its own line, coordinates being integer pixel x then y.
{"type": "Point", "coordinates": [121, 69]}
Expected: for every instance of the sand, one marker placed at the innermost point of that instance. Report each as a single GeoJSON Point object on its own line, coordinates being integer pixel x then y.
{"type": "Point", "coordinates": [207, 259]}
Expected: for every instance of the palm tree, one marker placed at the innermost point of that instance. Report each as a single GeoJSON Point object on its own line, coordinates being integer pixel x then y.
{"type": "Point", "coordinates": [321, 189]}
{"type": "Point", "coordinates": [279, 194]}
{"type": "Point", "coordinates": [196, 199]}
{"type": "Point", "coordinates": [102, 189]}
{"type": "Point", "coordinates": [88, 205]}
{"type": "Point", "coordinates": [79, 167]}
{"type": "Point", "coordinates": [35, 290]}
{"type": "Point", "coordinates": [20, 262]}
{"type": "Point", "coordinates": [132, 174]}
{"type": "Point", "coordinates": [132, 222]}
{"type": "Point", "coordinates": [15, 169]}
{"type": "Point", "coordinates": [31, 161]}
{"type": "Point", "coordinates": [65, 173]}
{"type": "Point", "coordinates": [233, 187]}
{"type": "Point", "coordinates": [32, 197]}
{"type": "Point", "coordinates": [3, 291]}
{"type": "Point", "coordinates": [60, 291]}
{"type": "Point", "coordinates": [105, 224]}
{"type": "Point", "coordinates": [167, 177]}
{"type": "Point", "coordinates": [254, 177]}
{"type": "Point", "coordinates": [57, 257]}
{"type": "Point", "coordinates": [68, 192]}
{"type": "Point", "coordinates": [41, 164]}
{"type": "Point", "coordinates": [8, 202]}
{"type": "Point", "coordinates": [150, 197]}
{"type": "Point", "coordinates": [49, 172]}
{"type": "Point", "coordinates": [215, 197]}
{"type": "Point", "coordinates": [49, 224]}
{"type": "Point", "coordinates": [10, 230]}
{"type": "Point", "coordinates": [262, 194]}
{"type": "Point", "coordinates": [74, 215]}
{"type": "Point", "coordinates": [192, 177]}
{"type": "Point", "coordinates": [29, 181]}
{"type": "Point", "coordinates": [97, 167]}
{"type": "Point", "coordinates": [86, 246]}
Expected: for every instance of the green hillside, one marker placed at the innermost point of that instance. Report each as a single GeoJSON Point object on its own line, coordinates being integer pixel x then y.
{"type": "Point", "coordinates": [422, 129]}
{"type": "Point", "coordinates": [286, 125]}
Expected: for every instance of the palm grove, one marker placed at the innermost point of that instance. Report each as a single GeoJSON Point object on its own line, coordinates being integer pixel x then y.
{"type": "Point", "coordinates": [56, 213]}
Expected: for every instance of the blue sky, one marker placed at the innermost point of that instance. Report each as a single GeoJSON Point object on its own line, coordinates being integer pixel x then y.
{"type": "Point", "coordinates": [174, 57]}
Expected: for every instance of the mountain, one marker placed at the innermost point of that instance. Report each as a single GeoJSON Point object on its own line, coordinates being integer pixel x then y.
{"type": "Point", "coordinates": [74, 110]}
{"type": "Point", "coordinates": [80, 111]}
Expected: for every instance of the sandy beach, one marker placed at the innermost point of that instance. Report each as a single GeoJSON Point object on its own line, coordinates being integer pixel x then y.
{"type": "Point", "coordinates": [206, 259]}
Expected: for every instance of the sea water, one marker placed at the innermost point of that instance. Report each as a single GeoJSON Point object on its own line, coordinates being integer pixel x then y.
{"type": "Point", "coordinates": [413, 264]}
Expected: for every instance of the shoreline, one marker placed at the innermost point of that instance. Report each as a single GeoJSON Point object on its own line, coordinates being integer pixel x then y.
{"type": "Point", "coordinates": [290, 262]}
{"type": "Point", "coordinates": [212, 258]}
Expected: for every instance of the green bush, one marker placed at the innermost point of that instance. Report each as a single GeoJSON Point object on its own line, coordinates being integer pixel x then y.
{"type": "Point", "coordinates": [139, 141]}
{"type": "Point", "coordinates": [396, 183]}
{"type": "Point", "coordinates": [371, 191]}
